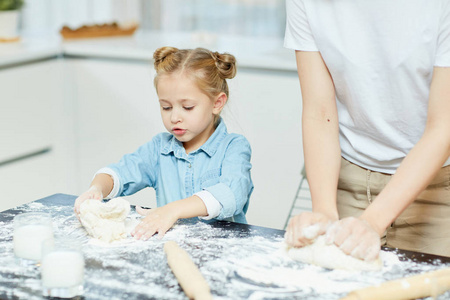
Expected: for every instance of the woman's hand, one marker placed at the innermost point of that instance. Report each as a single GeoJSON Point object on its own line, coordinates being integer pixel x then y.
{"type": "Point", "coordinates": [305, 227]}
{"type": "Point", "coordinates": [158, 220]}
{"type": "Point", "coordinates": [93, 192]}
{"type": "Point", "coordinates": [356, 237]}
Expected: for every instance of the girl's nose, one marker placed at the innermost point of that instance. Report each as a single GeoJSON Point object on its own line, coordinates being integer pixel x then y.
{"type": "Point", "coordinates": [175, 117]}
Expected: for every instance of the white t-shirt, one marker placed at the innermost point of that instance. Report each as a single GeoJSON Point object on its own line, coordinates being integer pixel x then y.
{"type": "Point", "coordinates": [380, 54]}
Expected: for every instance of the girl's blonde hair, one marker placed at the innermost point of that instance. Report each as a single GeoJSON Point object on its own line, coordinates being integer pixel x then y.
{"type": "Point", "coordinates": [208, 69]}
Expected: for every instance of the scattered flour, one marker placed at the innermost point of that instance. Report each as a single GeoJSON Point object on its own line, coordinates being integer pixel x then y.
{"type": "Point", "coordinates": [239, 264]}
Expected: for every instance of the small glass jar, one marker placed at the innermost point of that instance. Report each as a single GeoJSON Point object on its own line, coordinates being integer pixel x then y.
{"type": "Point", "coordinates": [30, 230]}
{"type": "Point", "coordinates": [62, 268]}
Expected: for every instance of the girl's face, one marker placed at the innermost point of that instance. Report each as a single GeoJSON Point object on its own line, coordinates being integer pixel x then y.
{"type": "Point", "coordinates": [186, 111]}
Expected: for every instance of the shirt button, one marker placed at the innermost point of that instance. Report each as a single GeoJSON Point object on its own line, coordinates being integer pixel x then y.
{"type": "Point", "coordinates": [190, 165]}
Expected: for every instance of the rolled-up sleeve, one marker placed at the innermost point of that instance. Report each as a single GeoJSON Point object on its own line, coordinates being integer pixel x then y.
{"type": "Point", "coordinates": [116, 181]}
{"type": "Point", "coordinates": [235, 185]}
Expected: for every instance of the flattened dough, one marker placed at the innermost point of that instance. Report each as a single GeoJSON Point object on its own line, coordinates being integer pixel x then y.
{"type": "Point", "coordinates": [105, 220]}
{"type": "Point", "coordinates": [331, 257]}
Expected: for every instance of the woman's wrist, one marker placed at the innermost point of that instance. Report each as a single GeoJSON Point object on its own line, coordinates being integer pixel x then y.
{"type": "Point", "coordinates": [376, 223]}
{"type": "Point", "coordinates": [330, 212]}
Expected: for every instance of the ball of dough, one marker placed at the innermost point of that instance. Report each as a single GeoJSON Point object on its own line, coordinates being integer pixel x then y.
{"type": "Point", "coordinates": [105, 220]}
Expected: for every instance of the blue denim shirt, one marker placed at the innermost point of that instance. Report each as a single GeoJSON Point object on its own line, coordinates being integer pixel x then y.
{"type": "Point", "coordinates": [221, 166]}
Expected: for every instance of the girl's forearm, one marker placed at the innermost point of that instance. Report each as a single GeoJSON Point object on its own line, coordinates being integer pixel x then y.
{"type": "Point", "coordinates": [415, 173]}
{"type": "Point", "coordinates": [104, 183]}
{"type": "Point", "coordinates": [189, 207]}
{"type": "Point", "coordinates": [322, 162]}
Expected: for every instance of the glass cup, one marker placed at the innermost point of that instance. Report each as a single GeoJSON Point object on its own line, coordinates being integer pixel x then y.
{"type": "Point", "coordinates": [30, 230]}
{"type": "Point", "coordinates": [62, 268]}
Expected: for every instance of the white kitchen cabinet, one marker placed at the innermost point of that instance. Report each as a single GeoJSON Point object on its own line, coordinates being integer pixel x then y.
{"type": "Point", "coordinates": [117, 110]}
{"type": "Point", "coordinates": [33, 117]}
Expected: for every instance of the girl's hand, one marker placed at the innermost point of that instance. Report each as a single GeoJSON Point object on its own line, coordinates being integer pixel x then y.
{"type": "Point", "coordinates": [305, 227]}
{"type": "Point", "coordinates": [355, 237]}
{"type": "Point", "coordinates": [158, 220]}
{"type": "Point", "coordinates": [93, 192]}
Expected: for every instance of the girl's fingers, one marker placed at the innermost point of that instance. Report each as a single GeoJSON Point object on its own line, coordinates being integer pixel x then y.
{"type": "Point", "coordinates": [140, 230]}
{"type": "Point", "coordinates": [146, 229]}
{"type": "Point", "coordinates": [149, 233]}
{"type": "Point", "coordinates": [85, 196]}
{"type": "Point", "coordinates": [136, 232]}
{"type": "Point", "coordinates": [162, 232]}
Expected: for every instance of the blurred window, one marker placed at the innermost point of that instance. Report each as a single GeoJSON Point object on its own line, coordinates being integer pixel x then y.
{"type": "Point", "coordinates": [233, 17]}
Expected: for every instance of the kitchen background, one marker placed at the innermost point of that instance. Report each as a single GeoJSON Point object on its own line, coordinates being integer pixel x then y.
{"type": "Point", "coordinates": [263, 18]}
{"type": "Point", "coordinates": [70, 107]}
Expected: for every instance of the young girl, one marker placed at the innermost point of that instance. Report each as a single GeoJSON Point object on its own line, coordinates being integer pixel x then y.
{"type": "Point", "coordinates": [197, 168]}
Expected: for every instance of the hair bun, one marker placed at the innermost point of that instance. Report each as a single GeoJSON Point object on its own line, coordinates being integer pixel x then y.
{"type": "Point", "coordinates": [226, 64]}
{"type": "Point", "coordinates": [161, 54]}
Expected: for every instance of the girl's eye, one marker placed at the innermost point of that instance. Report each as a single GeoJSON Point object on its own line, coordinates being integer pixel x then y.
{"type": "Point", "coordinates": [166, 107]}
{"type": "Point", "coordinates": [189, 107]}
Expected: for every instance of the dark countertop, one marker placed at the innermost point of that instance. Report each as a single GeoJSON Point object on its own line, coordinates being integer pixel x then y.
{"type": "Point", "coordinates": [238, 261]}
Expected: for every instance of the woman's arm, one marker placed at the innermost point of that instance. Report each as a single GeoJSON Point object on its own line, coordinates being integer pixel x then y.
{"type": "Point", "coordinates": [320, 130]}
{"type": "Point", "coordinates": [320, 144]}
{"type": "Point", "coordinates": [355, 236]}
{"type": "Point", "coordinates": [422, 163]}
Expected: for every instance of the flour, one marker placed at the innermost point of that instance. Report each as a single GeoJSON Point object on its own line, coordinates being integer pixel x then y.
{"type": "Point", "coordinates": [310, 278]}
{"type": "Point", "coordinates": [239, 264]}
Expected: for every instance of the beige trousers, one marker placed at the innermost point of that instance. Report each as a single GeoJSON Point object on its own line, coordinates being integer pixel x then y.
{"type": "Point", "coordinates": [425, 224]}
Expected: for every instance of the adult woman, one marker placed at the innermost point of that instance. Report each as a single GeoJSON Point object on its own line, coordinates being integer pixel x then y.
{"type": "Point", "coordinates": [375, 82]}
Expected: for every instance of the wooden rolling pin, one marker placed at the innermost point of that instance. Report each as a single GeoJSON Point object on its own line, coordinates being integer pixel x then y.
{"type": "Point", "coordinates": [419, 286]}
{"type": "Point", "coordinates": [186, 272]}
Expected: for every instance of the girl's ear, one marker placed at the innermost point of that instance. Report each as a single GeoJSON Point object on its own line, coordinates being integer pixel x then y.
{"type": "Point", "coordinates": [219, 103]}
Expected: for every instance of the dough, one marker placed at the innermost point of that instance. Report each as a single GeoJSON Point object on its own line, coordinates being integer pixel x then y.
{"type": "Point", "coordinates": [331, 257]}
{"type": "Point", "coordinates": [105, 220]}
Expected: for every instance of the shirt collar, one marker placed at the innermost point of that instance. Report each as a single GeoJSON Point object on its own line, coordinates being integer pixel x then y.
{"type": "Point", "coordinates": [209, 147]}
